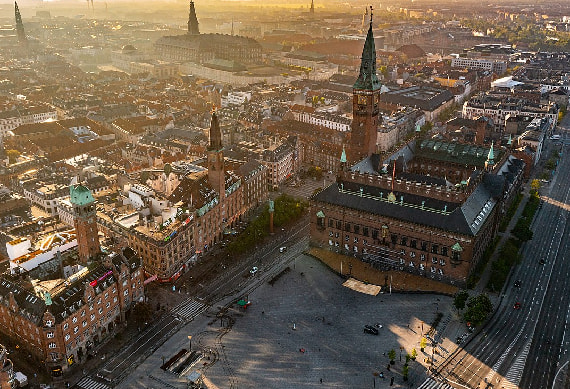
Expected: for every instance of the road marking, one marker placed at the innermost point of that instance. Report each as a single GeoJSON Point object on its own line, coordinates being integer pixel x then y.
{"type": "Point", "coordinates": [89, 383]}
{"type": "Point", "coordinates": [188, 309]}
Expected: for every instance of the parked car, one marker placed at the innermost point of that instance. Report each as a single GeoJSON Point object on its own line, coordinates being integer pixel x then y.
{"type": "Point", "coordinates": [370, 330]}
{"type": "Point", "coordinates": [253, 270]}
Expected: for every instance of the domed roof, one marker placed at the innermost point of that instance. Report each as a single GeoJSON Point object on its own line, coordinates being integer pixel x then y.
{"type": "Point", "coordinates": [128, 48]}
{"type": "Point", "coordinates": [80, 195]}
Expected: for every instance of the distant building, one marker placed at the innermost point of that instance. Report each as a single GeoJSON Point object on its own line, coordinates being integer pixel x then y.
{"type": "Point", "coordinates": [200, 48]}
{"type": "Point", "coordinates": [430, 100]}
{"type": "Point", "coordinates": [496, 66]}
{"type": "Point", "coordinates": [499, 108]}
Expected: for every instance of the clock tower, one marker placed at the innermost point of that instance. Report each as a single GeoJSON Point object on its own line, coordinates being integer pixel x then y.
{"type": "Point", "coordinates": [84, 212]}
{"type": "Point", "coordinates": [365, 99]}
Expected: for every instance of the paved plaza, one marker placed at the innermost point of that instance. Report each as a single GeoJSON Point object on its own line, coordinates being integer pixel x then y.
{"type": "Point", "coordinates": [303, 328]}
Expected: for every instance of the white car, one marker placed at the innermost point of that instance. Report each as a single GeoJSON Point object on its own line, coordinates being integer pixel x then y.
{"type": "Point", "coordinates": [282, 249]}
{"type": "Point", "coordinates": [253, 270]}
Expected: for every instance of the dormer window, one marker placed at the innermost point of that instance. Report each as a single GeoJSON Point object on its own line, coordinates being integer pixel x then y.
{"type": "Point", "coordinates": [49, 323]}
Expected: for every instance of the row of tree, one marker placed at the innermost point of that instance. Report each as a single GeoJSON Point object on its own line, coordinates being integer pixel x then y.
{"type": "Point", "coordinates": [287, 210]}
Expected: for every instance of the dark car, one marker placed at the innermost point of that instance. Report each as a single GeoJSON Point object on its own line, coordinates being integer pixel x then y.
{"type": "Point", "coordinates": [370, 330]}
{"type": "Point", "coordinates": [518, 283]}
{"type": "Point", "coordinates": [517, 305]}
{"type": "Point", "coordinates": [542, 261]}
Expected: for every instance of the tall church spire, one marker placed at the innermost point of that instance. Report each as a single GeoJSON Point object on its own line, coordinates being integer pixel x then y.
{"type": "Point", "coordinates": [216, 170]}
{"type": "Point", "coordinates": [20, 26]}
{"type": "Point", "coordinates": [312, 10]}
{"type": "Point", "coordinates": [215, 134]}
{"type": "Point", "coordinates": [193, 20]}
{"type": "Point", "coordinates": [367, 79]}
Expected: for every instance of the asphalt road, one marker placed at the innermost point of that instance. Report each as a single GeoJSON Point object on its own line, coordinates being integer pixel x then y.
{"type": "Point", "coordinates": [525, 347]}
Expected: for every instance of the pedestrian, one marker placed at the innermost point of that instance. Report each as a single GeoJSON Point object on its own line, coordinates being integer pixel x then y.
{"type": "Point", "coordinates": [321, 380]}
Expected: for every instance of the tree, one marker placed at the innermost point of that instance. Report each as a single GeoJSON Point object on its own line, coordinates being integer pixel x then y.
{"type": "Point", "coordinates": [167, 169]}
{"type": "Point", "coordinates": [535, 184]}
{"type": "Point", "coordinates": [12, 155]}
{"type": "Point", "coordinates": [142, 312]}
{"type": "Point", "coordinates": [460, 299]}
{"type": "Point", "coordinates": [392, 356]}
{"type": "Point", "coordinates": [414, 354]}
{"type": "Point", "coordinates": [427, 127]}
{"type": "Point", "coordinates": [145, 176]}
{"type": "Point", "coordinates": [478, 308]}
{"type": "Point", "coordinates": [405, 372]}
{"type": "Point", "coordinates": [423, 343]}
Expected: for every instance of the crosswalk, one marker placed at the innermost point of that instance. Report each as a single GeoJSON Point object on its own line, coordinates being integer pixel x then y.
{"type": "Point", "coordinates": [89, 383]}
{"type": "Point", "coordinates": [514, 375]}
{"type": "Point", "coordinates": [430, 383]}
{"type": "Point", "coordinates": [188, 309]}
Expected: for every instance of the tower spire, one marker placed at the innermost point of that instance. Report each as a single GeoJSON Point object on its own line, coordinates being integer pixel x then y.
{"type": "Point", "coordinates": [367, 78]}
{"type": "Point", "coordinates": [193, 21]}
{"type": "Point", "coordinates": [215, 133]}
{"type": "Point", "coordinates": [19, 26]}
{"type": "Point", "coordinates": [312, 10]}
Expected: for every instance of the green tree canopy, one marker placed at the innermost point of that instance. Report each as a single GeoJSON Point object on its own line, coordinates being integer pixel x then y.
{"type": "Point", "coordinates": [478, 308]}
{"type": "Point", "coordinates": [460, 299]}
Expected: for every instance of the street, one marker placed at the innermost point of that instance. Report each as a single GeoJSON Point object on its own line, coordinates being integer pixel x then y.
{"type": "Point", "coordinates": [526, 347]}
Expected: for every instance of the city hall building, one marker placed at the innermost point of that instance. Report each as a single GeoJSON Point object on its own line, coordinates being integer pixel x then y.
{"type": "Point", "coordinates": [431, 208]}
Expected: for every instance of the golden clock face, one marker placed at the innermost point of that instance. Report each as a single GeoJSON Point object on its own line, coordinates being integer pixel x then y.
{"type": "Point", "coordinates": [361, 99]}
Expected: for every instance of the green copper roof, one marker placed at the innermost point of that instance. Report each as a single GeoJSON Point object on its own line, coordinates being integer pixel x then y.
{"type": "Point", "coordinates": [320, 214]}
{"type": "Point", "coordinates": [343, 156]}
{"type": "Point", "coordinates": [457, 247]}
{"type": "Point", "coordinates": [367, 79]}
{"type": "Point", "coordinates": [80, 195]}
{"type": "Point", "coordinates": [510, 142]}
